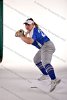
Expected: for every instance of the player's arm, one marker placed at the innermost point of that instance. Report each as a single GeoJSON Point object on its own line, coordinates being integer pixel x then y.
{"type": "Point", "coordinates": [26, 34]}
{"type": "Point", "coordinates": [27, 40]}
{"type": "Point", "coordinates": [20, 33]}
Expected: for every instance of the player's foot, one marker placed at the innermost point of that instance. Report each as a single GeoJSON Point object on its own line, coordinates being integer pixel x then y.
{"type": "Point", "coordinates": [43, 77]}
{"type": "Point", "coordinates": [54, 83]}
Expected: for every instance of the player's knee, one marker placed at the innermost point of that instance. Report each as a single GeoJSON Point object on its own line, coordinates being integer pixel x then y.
{"type": "Point", "coordinates": [35, 60]}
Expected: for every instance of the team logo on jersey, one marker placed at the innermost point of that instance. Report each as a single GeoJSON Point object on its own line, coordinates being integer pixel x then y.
{"type": "Point", "coordinates": [39, 31]}
{"type": "Point", "coordinates": [43, 34]}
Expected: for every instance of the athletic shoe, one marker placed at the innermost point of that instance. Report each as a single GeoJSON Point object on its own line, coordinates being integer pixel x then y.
{"type": "Point", "coordinates": [54, 83]}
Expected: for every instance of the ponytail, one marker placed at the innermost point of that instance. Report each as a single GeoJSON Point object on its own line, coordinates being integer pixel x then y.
{"type": "Point", "coordinates": [36, 25]}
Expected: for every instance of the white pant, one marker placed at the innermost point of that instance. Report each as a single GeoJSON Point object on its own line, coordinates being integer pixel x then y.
{"type": "Point", "coordinates": [45, 53]}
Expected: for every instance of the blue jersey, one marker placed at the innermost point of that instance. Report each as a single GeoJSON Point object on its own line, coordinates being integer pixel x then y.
{"type": "Point", "coordinates": [39, 37]}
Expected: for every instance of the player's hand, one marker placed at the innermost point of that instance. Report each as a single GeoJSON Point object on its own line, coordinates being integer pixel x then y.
{"type": "Point", "coordinates": [19, 33]}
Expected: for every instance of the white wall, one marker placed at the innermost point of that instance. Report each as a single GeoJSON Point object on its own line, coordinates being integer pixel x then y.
{"type": "Point", "coordinates": [51, 15]}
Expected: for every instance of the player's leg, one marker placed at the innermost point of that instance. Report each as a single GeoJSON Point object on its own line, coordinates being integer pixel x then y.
{"type": "Point", "coordinates": [38, 63]}
{"type": "Point", "coordinates": [46, 55]}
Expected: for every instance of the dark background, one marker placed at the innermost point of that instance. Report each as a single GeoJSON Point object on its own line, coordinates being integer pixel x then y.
{"type": "Point", "coordinates": [1, 29]}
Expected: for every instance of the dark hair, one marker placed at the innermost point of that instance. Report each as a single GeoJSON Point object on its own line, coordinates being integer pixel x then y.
{"type": "Point", "coordinates": [36, 25]}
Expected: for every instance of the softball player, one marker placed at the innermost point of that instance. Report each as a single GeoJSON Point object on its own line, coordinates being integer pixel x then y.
{"type": "Point", "coordinates": [46, 48]}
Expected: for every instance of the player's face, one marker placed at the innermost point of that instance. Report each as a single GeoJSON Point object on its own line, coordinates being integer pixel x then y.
{"type": "Point", "coordinates": [29, 26]}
